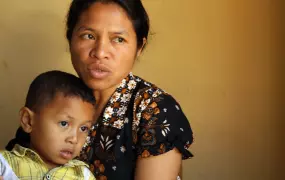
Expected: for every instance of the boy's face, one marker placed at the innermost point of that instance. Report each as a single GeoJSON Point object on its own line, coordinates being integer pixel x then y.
{"type": "Point", "coordinates": [59, 130]}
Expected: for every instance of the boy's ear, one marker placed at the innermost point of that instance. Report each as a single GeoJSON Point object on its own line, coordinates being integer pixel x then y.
{"type": "Point", "coordinates": [26, 119]}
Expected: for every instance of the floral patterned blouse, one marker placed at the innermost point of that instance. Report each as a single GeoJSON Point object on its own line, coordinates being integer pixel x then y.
{"type": "Point", "coordinates": [140, 120]}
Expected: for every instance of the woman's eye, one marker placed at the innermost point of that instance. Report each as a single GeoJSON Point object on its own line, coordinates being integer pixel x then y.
{"type": "Point", "coordinates": [84, 129]}
{"type": "Point", "coordinates": [63, 124]}
{"type": "Point", "coordinates": [88, 36]}
{"type": "Point", "coordinates": [119, 40]}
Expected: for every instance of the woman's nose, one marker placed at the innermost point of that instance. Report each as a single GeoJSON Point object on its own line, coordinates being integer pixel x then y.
{"type": "Point", "coordinates": [101, 49]}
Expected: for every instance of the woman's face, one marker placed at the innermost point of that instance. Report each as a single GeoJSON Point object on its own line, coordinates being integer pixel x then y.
{"type": "Point", "coordinates": [103, 46]}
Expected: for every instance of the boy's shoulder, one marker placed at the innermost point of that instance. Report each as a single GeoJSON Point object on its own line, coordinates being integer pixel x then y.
{"type": "Point", "coordinates": [15, 162]}
{"type": "Point", "coordinates": [20, 154]}
{"type": "Point", "coordinates": [6, 153]}
{"type": "Point", "coordinates": [8, 157]}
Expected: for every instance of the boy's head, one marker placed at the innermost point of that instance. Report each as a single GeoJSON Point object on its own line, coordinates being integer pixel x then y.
{"type": "Point", "coordinates": [58, 113]}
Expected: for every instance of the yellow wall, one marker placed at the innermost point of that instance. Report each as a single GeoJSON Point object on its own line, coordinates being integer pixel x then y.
{"type": "Point", "coordinates": [221, 59]}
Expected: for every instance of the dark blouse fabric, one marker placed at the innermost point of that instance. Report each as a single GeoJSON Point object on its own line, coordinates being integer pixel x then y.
{"type": "Point", "coordinates": [139, 121]}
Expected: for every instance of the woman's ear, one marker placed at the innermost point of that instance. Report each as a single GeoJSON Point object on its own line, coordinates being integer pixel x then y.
{"type": "Point", "coordinates": [26, 119]}
{"type": "Point", "coordinates": [142, 47]}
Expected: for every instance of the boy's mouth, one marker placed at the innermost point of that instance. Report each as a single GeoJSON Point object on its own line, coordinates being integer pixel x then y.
{"type": "Point", "coordinates": [66, 154]}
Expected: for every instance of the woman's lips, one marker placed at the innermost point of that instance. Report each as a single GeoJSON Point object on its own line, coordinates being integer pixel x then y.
{"type": "Point", "coordinates": [98, 74]}
{"type": "Point", "coordinates": [98, 71]}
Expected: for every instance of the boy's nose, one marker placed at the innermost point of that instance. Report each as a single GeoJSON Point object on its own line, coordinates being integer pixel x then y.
{"type": "Point", "coordinates": [72, 138]}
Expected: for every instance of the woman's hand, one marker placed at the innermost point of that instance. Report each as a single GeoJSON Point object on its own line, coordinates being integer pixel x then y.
{"type": "Point", "coordinates": [1, 178]}
{"type": "Point", "coordinates": [165, 166]}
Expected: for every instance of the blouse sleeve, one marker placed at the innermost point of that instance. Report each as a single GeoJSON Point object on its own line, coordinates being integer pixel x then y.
{"type": "Point", "coordinates": [162, 127]}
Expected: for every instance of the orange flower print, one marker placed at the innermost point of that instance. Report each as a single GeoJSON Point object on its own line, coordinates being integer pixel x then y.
{"type": "Point", "coordinates": [144, 103]}
{"type": "Point", "coordinates": [93, 134]}
{"type": "Point", "coordinates": [145, 95]}
{"type": "Point", "coordinates": [102, 178]}
{"type": "Point", "coordinates": [153, 105]}
{"type": "Point", "coordinates": [97, 163]}
{"type": "Point", "coordinates": [127, 79]}
{"type": "Point", "coordinates": [124, 90]}
{"type": "Point", "coordinates": [101, 168]}
{"type": "Point", "coordinates": [145, 154]}
{"type": "Point", "coordinates": [138, 101]}
{"type": "Point", "coordinates": [146, 115]}
{"type": "Point", "coordinates": [161, 149]}
{"type": "Point", "coordinates": [135, 137]}
{"type": "Point", "coordinates": [116, 105]}
{"type": "Point", "coordinates": [147, 136]}
{"type": "Point", "coordinates": [115, 97]}
{"type": "Point", "coordinates": [113, 119]}
{"type": "Point", "coordinates": [92, 168]}
{"type": "Point", "coordinates": [156, 111]}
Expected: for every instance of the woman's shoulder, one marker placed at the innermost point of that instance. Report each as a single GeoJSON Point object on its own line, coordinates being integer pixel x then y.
{"type": "Point", "coordinates": [159, 122]}
{"type": "Point", "coordinates": [153, 105]}
{"type": "Point", "coordinates": [144, 86]}
{"type": "Point", "coordinates": [149, 92]}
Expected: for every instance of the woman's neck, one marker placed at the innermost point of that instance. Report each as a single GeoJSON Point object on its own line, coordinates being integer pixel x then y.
{"type": "Point", "coordinates": [102, 97]}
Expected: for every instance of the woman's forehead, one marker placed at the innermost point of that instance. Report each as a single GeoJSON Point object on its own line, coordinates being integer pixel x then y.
{"type": "Point", "coordinates": [107, 14]}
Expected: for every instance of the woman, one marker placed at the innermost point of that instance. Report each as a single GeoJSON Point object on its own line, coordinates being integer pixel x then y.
{"type": "Point", "coordinates": [141, 132]}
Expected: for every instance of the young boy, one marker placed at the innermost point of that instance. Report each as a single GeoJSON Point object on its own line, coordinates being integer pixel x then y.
{"type": "Point", "coordinates": [58, 114]}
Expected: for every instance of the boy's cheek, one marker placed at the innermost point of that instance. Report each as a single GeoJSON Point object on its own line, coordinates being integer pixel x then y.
{"type": "Point", "coordinates": [82, 140]}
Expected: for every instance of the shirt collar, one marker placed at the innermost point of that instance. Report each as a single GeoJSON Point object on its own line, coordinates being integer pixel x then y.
{"type": "Point", "coordinates": [21, 151]}
{"type": "Point", "coordinates": [115, 110]}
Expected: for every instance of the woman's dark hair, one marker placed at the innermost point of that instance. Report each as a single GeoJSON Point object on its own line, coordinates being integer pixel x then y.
{"type": "Point", "coordinates": [134, 9]}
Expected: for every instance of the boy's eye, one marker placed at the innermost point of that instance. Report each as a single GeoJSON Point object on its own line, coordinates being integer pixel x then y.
{"type": "Point", "coordinates": [63, 124]}
{"type": "Point", "coordinates": [84, 128]}
{"type": "Point", "coordinates": [119, 40]}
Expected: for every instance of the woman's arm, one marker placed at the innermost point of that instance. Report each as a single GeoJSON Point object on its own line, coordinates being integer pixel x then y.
{"type": "Point", "coordinates": [163, 137]}
{"type": "Point", "coordinates": [162, 167]}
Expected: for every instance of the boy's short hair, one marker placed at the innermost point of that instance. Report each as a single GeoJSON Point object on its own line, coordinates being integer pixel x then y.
{"type": "Point", "coordinates": [47, 85]}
